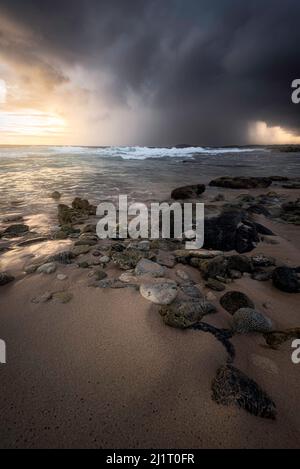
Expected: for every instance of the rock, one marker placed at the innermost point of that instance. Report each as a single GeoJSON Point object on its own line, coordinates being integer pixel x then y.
{"type": "Point", "coordinates": [42, 298]}
{"type": "Point", "coordinates": [128, 278]}
{"type": "Point", "coordinates": [89, 228]}
{"type": "Point", "coordinates": [166, 259]}
{"type": "Point", "coordinates": [5, 278]}
{"type": "Point", "coordinates": [230, 231]}
{"type": "Point", "coordinates": [210, 296]}
{"type": "Point", "coordinates": [146, 267]}
{"type": "Point", "coordinates": [30, 269]}
{"type": "Point", "coordinates": [241, 263]}
{"type": "Point", "coordinates": [286, 279]}
{"type": "Point", "coordinates": [61, 277]}
{"type": "Point", "coordinates": [65, 215]}
{"type": "Point", "coordinates": [182, 275]}
{"type": "Point", "coordinates": [184, 314]}
{"type": "Point", "coordinates": [290, 212]}
{"type": "Point", "coordinates": [48, 268]}
{"type": "Point", "coordinates": [127, 259]}
{"type": "Point", "coordinates": [263, 230]}
{"type": "Point", "coordinates": [218, 198]}
{"type": "Point", "coordinates": [241, 182]}
{"type": "Point", "coordinates": [83, 265]}
{"type": "Point", "coordinates": [185, 254]}
{"type": "Point", "coordinates": [144, 246]}
{"type": "Point", "coordinates": [100, 274]}
{"type": "Point", "coordinates": [16, 230]}
{"type": "Point", "coordinates": [275, 338]}
{"type": "Point", "coordinates": [249, 320]}
{"type": "Point", "coordinates": [104, 259]}
{"type": "Point", "coordinates": [191, 290]}
{"type": "Point", "coordinates": [85, 242]}
{"type": "Point", "coordinates": [232, 387]}
{"type": "Point", "coordinates": [232, 301]}
{"type": "Point", "coordinates": [64, 257]}
{"type": "Point", "coordinates": [55, 195]}
{"type": "Point", "coordinates": [62, 297]}
{"type": "Point", "coordinates": [96, 253]}
{"type": "Point", "coordinates": [188, 192]}
{"type": "Point", "coordinates": [291, 185]}
{"type": "Point", "coordinates": [215, 285]}
{"type": "Point", "coordinates": [83, 205]}
{"type": "Point", "coordinates": [260, 260]}
{"type": "Point", "coordinates": [235, 274]}
{"type": "Point", "coordinates": [29, 242]}
{"type": "Point", "coordinates": [79, 250]}
{"type": "Point", "coordinates": [262, 275]}
{"type": "Point", "coordinates": [161, 292]}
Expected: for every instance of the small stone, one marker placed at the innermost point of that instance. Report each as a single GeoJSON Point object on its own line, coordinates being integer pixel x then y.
{"type": "Point", "coordinates": [147, 267]}
{"type": "Point", "coordinates": [215, 285]}
{"type": "Point", "coordinates": [210, 296]}
{"type": "Point", "coordinates": [78, 250]}
{"type": "Point", "coordinates": [191, 290]}
{"type": "Point", "coordinates": [100, 274]}
{"type": "Point", "coordinates": [161, 292]}
{"type": "Point", "coordinates": [61, 277]}
{"type": "Point", "coordinates": [104, 260]}
{"type": "Point", "coordinates": [42, 298]}
{"type": "Point", "coordinates": [5, 278]}
{"type": "Point", "coordinates": [30, 269]}
{"type": "Point", "coordinates": [16, 230]}
{"type": "Point", "coordinates": [83, 265]}
{"type": "Point", "coordinates": [182, 274]}
{"type": "Point", "coordinates": [62, 297]}
{"type": "Point", "coordinates": [232, 301]}
{"type": "Point", "coordinates": [184, 314]}
{"type": "Point", "coordinates": [55, 195]}
{"type": "Point", "coordinates": [263, 261]}
{"type": "Point", "coordinates": [144, 246]}
{"type": "Point", "coordinates": [48, 269]}
{"type": "Point", "coordinates": [249, 320]}
{"type": "Point", "coordinates": [128, 278]}
{"type": "Point", "coordinates": [166, 259]}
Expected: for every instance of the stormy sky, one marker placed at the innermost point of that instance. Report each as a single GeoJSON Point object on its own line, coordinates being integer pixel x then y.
{"type": "Point", "coordinates": [149, 72]}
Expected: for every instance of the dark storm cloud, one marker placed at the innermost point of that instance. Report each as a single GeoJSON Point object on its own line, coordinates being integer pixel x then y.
{"type": "Point", "coordinates": [206, 67]}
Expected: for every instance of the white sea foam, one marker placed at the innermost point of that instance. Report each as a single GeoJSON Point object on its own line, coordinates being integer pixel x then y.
{"type": "Point", "coordinates": [126, 153]}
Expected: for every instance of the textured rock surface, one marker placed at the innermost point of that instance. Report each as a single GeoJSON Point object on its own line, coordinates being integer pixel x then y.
{"type": "Point", "coordinates": [232, 387]}
{"type": "Point", "coordinates": [184, 314]}
{"type": "Point", "coordinates": [234, 300]}
{"type": "Point", "coordinates": [286, 279]}
{"type": "Point", "coordinates": [161, 292]}
{"type": "Point", "coordinates": [249, 320]}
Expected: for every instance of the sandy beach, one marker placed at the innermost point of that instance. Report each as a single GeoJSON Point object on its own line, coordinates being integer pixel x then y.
{"type": "Point", "coordinates": [94, 364]}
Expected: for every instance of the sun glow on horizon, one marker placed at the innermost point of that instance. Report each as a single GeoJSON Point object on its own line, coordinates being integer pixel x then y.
{"type": "Point", "coordinates": [260, 133]}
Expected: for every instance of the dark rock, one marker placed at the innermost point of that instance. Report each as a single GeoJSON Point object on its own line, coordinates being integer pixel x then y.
{"type": "Point", "coordinates": [263, 230]}
{"type": "Point", "coordinates": [262, 275]}
{"type": "Point", "coordinates": [259, 210]}
{"type": "Point", "coordinates": [241, 263]}
{"type": "Point", "coordinates": [234, 300]}
{"type": "Point", "coordinates": [64, 257]}
{"type": "Point", "coordinates": [232, 387]}
{"type": "Point", "coordinates": [260, 260]}
{"type": "Point", "coordinates": [188, 192]}
{"type": "Point", "coordinates": [215, 285]}
{"type": "Point", "coordinates": [184, 314]}
{"type": "Point", "coordinates": [230, 231]}
{"type": "Point", "coordinates": [290, 212]}
{"type": "Point", "coordinates": [247, 320]}
{"type": "Point", "coordinates": [275, 338]}
{"type": "Point", "coordinates": [241, 182]}
{"type": "Point", "coordinates": [16, 230]}
{"type": "Point", "coordinates": [189, 289]}
{"type": "Point", "coordinates": [55, 195]}
{"type": "Point", "coordinates": [5, 278]}
{"type": "Point", "coordinates": [286, 279]}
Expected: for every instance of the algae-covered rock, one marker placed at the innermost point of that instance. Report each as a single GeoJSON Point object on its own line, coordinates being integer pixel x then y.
{"type": "Point", "coordinates": [184, 314]}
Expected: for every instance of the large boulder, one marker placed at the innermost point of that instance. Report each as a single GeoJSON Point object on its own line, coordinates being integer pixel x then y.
{"type": "Point", "coordinates": [242, 182]}
{"type": "Point", "coordinates": [232, 301]}
{"type": "Point", "coordinates": [184, 314]}
{"type": "Point", "coordinates": [232, 387]}
{"type": "Point", "coordinates": [188, 192]}
{"type": "Point", "coordinates": [230, 231]}
{"type": "Point", "coordinates": [286, 279]}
